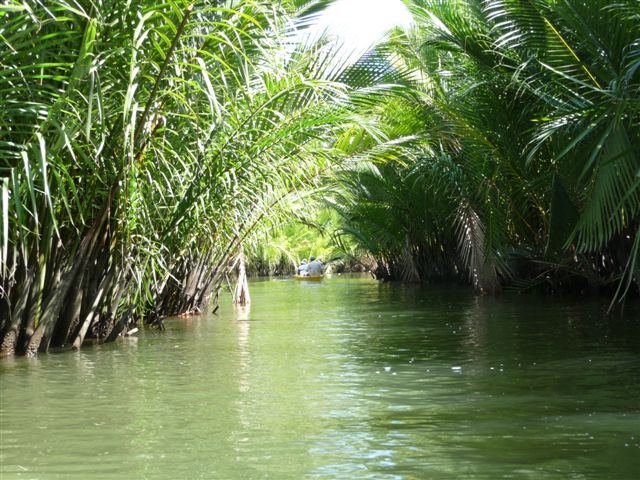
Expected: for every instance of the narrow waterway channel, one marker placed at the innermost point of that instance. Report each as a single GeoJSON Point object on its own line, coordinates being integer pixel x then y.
{"type": "Point", "coordinates": [345, 379]}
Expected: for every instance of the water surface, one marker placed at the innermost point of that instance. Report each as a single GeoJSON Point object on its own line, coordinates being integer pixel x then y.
{"type": "Point", "coordinates": [346, 379]}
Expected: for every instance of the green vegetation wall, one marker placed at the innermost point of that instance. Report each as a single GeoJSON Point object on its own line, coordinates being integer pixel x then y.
{"type": "Point", "coordinates": [507, 154]}
{"type": "Point", "coordinates": [140, 143]}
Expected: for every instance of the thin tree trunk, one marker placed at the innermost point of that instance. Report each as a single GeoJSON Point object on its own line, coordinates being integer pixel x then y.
{"type": "Point", "coordinates": [241, 295]}
{"type": "Point", "coordinates": [10, 336]}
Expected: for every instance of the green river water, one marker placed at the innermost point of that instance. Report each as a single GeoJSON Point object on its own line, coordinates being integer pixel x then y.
{"type": "Point", "coordinates": [346, 379]}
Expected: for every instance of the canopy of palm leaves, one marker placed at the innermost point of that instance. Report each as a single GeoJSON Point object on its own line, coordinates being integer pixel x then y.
{"type": "Point", "coordinates": [144, 145]}
{"type": "Point", "coordinates": [139, 145]}
{"type": "Point", "coordinates": [512, 155]}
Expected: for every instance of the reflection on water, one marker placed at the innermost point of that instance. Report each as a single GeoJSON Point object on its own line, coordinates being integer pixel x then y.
{"type": "Point", "coordinates": [340, 379]}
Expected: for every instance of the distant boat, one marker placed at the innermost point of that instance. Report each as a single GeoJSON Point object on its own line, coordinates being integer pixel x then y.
{"type": "Point", "coordinates": [309, 278]}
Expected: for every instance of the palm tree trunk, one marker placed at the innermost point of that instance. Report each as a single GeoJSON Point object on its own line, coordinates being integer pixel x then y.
{"type": "Point", "coordinates": [241, 294]}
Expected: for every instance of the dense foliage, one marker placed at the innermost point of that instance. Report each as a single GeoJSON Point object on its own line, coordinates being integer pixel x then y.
{"type": "Point", "coordinates": [512, 157]}
{"type": "Point", "coordinates": [145, 146]}
{"type": "Point", "coordinates": [140, 143]}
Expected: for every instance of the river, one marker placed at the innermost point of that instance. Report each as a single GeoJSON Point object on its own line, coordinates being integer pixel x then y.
{"type": "Point", "coordinates": [344, 379]}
